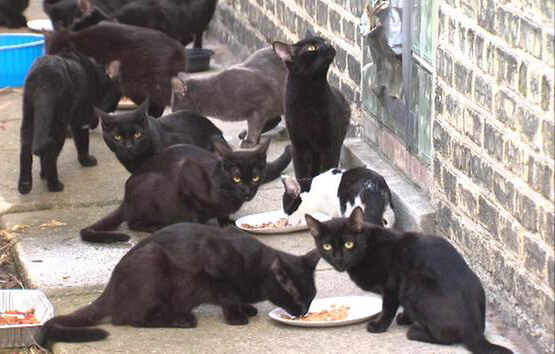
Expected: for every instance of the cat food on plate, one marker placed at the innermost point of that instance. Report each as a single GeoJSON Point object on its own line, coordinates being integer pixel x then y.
{"type": "Point", "coordinates": [272, 222]}
{"type": "Point", "coordinates": [334, 313]}
{"type": "Point", "coordinates": [281, 222]}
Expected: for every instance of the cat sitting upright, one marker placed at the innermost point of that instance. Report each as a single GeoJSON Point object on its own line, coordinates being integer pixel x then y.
{"type": "Point", "coordinates": [162, 279]}
{"type": "Point", "coordinates": [135, 136]}
{"type": "Point", "coordinates": [251, 91]}
{"type": "Point", "coordinates": [336, 193]}
{"type": "Point", "coordinates": [316, 114]}
{"type": "Point", "coordinates": [443, 300]}
{"type": "Point", "coordinates": [60, 90]}
{"type": "Point", "coordinates": [187, 183]}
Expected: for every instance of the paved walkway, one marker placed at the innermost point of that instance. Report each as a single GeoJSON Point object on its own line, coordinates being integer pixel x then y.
{"type": "Point", "coordinates": [71, 272]}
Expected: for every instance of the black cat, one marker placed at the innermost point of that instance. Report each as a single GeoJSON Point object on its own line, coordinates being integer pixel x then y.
{"type": "Point", "coordinates": [187, 183]}
{"type": "Point", "coordinates": [61, 90]}
{"type": "Point", "coordinates": [11, 13]}
{"type": "Point", "coordinates": [316, 114]}
{"type": "Point", "coordinates": [148, 59]}
{"type": "Point", "coordinates": [163, 278]}
{"type": "Point", "coordinates": [135, 137]}
{"type": "Point", "coordinates": [443, 299]}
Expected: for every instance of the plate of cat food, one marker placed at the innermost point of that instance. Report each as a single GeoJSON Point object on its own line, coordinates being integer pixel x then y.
{"type": "Point", "coordinates": [40, 25]}
{"type": "Point", "coordinates": [273, 222]}
{"type": "Point", "coordinates": [126, 103]}
{"type": "Point", "coordinates": [332, 312]}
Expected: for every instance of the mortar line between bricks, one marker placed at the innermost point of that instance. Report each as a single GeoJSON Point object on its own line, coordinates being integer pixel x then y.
{"type": "Point", "coordinates": [507, 132]}
{"type": "Point", "coordinates": [63, 206]}
{"type": "Point", "coordinates": [491, 242]}
{"type": "Point", "coordinates": [471, 23]}
{"type": "Point", "coordinates": [489, 195]}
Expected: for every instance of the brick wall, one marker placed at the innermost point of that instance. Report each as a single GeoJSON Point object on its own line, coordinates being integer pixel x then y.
{"type": "Point", "coordinates": [493, 132]}
{"type": "Point", "coordinates": [248, 25]}
{"type": "Point", "coordinates": [493, 142]}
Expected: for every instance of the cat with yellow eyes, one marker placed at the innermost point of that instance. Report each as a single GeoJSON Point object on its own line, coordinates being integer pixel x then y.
{"type": "Point", "coordinates": [185, 183]}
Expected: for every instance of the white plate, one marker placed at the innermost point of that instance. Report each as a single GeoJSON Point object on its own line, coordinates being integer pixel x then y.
{"type": "Point", "coordinates": [273, 216]}
{"type": "Point", "coordinates": [361, 308]}
{"type": "Point", "coordinates": [40, 25]}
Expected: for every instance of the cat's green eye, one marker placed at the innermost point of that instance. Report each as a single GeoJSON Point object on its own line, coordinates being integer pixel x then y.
{"type": "Point", "coordinates": [256, 178]}
{"type": "Point", "coordinates": [311, 48]}
{"type": "Point", "coordinates": [137, 135]}
{"type": "Point", "coordinates": [349, 245]}
{"type": "Point", "coordinates": [118, 137]}
{"type": "Point", "coordinates": [236, 179]}
{"type": "Point", "coordinates": [326, 247]}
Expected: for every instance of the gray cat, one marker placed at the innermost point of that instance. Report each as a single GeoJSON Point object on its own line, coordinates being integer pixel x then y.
{"type": "Point", "coordinates": [251, 91]}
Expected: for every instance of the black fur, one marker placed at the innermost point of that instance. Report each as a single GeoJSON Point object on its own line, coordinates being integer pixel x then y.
{"type": "Point", "coordinates": [187, 183]}
{"type": "Point", "coordinates": [148, 59]}
{"type": "Point", "coordinates": [135, 137]}
{"type": "Point", "coordinates": [316, 114]}
{"type": "Point", "coordinates": [163, 278]}
{"type": "Point", "coordinates": [443, 299]}
{"type": "Point", "coordinates": [11, 13]}
{"type": "Point", "coordinates": [60, 91]}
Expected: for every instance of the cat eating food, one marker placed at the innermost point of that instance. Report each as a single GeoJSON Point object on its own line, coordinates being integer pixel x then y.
{"type": "Point", "coordinates": [187, 183]}
{"type": "Point", "coordinates": [148, 59]}
{"type": "Point", "coordinates": [442, 298]}
{"type": "Point", "coordinates": [135, 136]}
{"type": "Point", "coordinates": [251, 91]}
{"type": "Point", "coordinates": [164, 277]}
{"type": "Point", "coordinates": [316, 115]}
{"type": "Point", "coordinates": [60, 91]}
{"type": "Point", "coordinates": [336, 193]}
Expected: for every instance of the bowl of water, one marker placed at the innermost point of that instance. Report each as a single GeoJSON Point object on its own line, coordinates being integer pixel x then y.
{"type": "Point", "coordinates": [18, 51]}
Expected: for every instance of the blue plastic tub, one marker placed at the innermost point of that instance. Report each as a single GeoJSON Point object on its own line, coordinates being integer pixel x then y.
{"type": "Point", "coordinates": [18, 51]}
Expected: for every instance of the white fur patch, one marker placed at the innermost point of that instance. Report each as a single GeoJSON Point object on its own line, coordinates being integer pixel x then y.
{"type": "Point", "coordinates": [389, 217]}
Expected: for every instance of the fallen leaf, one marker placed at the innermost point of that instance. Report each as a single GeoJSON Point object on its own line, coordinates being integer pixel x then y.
{"type": "Point", "coordinates": [19, 228]}
{"type": "Point", "coordinates": [51, 223]}
{"type": "Point", "coordinates": [6, 235]}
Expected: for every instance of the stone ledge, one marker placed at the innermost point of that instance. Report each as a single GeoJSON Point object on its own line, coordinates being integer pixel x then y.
{"type": "Point", "coordinates": [413, 209]}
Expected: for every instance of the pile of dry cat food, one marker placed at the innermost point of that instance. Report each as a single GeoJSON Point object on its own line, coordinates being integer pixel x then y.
{"type": "Point", "coordinates": [333, 314]}
{"type": "Point", "coordinates": [280, 223]}
{"type": "Point", "coordinates": [14, 317]}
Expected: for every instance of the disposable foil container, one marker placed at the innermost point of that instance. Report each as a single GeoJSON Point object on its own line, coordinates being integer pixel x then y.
{"type": "Point", "coordinates": [12, 336]}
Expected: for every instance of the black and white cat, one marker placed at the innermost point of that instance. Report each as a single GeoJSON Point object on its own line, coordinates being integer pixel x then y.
{"type": "Point", "coordinates": [443, 300]}
{"type": "Point", "coordinates": [135, 136]}
{"type": "Point", "coordinates": [162, 279]}
{"type": "Point", "coordinates": [336, 193]}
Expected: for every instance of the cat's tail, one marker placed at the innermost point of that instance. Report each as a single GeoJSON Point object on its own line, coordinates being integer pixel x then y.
{"type": "Point", "coordinates": [274, 168]}
{"type": "Point", "coordinates": [43, 119]}
{"type": "Point", "coordinates": [477, 343]}
{"type": "Point", "coordinates": [73, 327]}
{"type": "Point", "coordinates": [101, 231]}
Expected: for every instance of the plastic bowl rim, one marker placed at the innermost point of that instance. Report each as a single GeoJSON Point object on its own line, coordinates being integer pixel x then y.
{"type": "Point", "coordinates": [23, 45]}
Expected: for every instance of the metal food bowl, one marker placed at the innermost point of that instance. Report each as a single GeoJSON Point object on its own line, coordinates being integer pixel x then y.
{"type": "Point", "coordinates": [198, 59]}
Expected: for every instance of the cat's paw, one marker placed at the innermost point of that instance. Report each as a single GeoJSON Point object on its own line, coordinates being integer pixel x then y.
{"type": "Point", "coordinates": [235, 316]}
{"type": "Point", "coordinates": [24, 187]}
{"type": "Point", "coordinates": [87, 160]}
{"type": "Point", "coordinates": [403, 319]}
{"type": "Point", "coordinates": [250, 310]}
{"type": "Point", "coordinates": [377, 326]}
{"type": "Point", "coordinates": [186, 321]}
{"type": "Point", "coordinates": [56, 186]}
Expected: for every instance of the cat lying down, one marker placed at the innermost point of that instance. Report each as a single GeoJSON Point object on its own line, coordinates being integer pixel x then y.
{"type": "Point", "coordinates": [162, 279]}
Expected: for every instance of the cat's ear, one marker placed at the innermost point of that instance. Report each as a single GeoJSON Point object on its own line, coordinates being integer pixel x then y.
{"type": "Point", "coordinates": [356, 220]}
{"type": "Point", "coordinates": [278, 269]}
{"type": "Point", "coordinates": [283, 50]}
{"type": "Point", "coordinates": [106, 119]}
{"type": "Point", "coordinates": [142, 111]}
{"type": "Point", "coordinates": [291, 185]}
{"type": "Point", "coordinates": [311, 258]}
{"type": "Point", "coordinates": [113, 69]}
{"type": "Point", "coordinates": [308, 34]}
{"type": "Point", "coordinates": [263, 148]}
{"type": "Point", "coordinates": [314, 226]}
{"type": "Point", "coordinates": [222, 149]}
{"type": "Point", "coordinates": [178, 86]}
